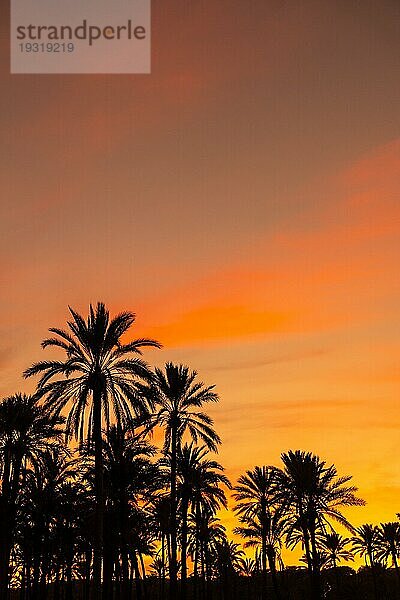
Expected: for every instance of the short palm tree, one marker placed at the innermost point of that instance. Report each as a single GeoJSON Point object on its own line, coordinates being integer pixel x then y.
{"type": "Point", "coordinates": [229, 556]}
{"type": "Point", "coordinates": [178, 396]}
{"type": "Point", "coordinates": [266, 533]}
{"type": "Point", "coordinates": [388, 537]}
{"type": "Point", "coordinates": [206, 533]}
{"type": "Point", "coordinates": [255, 494]}
{"type": "Point", "coordinates": [366, 544]}
{"type": "Point", "coordinates": [98, 376]}
{"type": "Point", "coordinates": [335, 548]}
{"type": "Point", "coordinates": [160, 523]}
{"type": "Point", "coordinates": [247, 567]}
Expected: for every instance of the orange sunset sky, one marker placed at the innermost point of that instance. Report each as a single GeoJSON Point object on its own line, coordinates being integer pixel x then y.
{"type": "Point", "coordinates": [243, 200]}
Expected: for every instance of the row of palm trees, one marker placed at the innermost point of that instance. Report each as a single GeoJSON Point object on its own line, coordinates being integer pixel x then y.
{"type": "Point", "coordinates": [87, 496]}
{"type": "Point", "coordinates": [298, 505]}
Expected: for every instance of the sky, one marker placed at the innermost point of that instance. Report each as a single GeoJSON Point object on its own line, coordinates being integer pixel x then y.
{"type": "Point", "coordinates": [243, 201]}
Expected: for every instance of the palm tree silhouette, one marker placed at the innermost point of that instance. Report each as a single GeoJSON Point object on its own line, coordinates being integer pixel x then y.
{"type": "Point", "coordinates": [160, 522]}
{"type": "Point", "coordinates": [388, 538]}
{"type": "Point", "coordinates": [205, 533]}
{"type": "Point", "coordinates": [130, 480]}
{"type": "Point", "coordinates": [334, 546]}
{"type": "Point", "coordinates": [229, 556]}
{"type": "Point", "coordinates": [49, 515]}
{"type": "Point", "coordinates": [366, 544]}
{"type": "Point", "coordinates": [199, 480]}
{"type": "Point", "coordinates": [255, 494]}
{"type": "Point", "coordinates": [178, 397]}
{"type": "Point", "coordinates": [334, 549]}
{"type": "Point", "coordinates": [266, 532]}
{"type": "Point", "coordinates": [27, 431]}
{"type": "Point", "coordinates": [247, 567]}
{"type": "Point", "coordinates": [97, 376]}
{"type": "Point", "coordinates": [313, 494]}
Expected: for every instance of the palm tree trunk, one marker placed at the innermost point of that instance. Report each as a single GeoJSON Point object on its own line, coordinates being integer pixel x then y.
{"type": "Point", "coordinates": [144, 580]}
{"type": "Point", "coordinates": [99, 491]}
{"type": "Point", "coordinates": [306, 541]}
{"type": "Point", "coordinates": [109, 558]}
{"type": "Point", "coordinates": [163, 565]}
{"type": "Point", "coordinates": [207, 558]}
{"type": "Point", "coordinates": [203, 570]}
{"type": "Point", "coordinates": [56, 595]}
{"type": "Point", "coordinates": [10, 489]}
{"type": "Point", "coordinates": [264, 559]}
{"type": "Point", "coordinates": [118, 577]}
{"type": "Point", "coordinates": [5, 552]}
{"type": "Point", "coordinates": [138, 582]}
{"type": "Point", "coordinates": [173, 565]}
{"type": "Point", "coordinates": [316, 566]}
{"type": "Point", "coordinates": [69, 592]}
{"type": "Point", "coordinates": [36, 575]}
{"type": "Point", "coordinates": [124, 573]}
{"type": "Point", "coordinates": [185, 506]}
{"type": "Point", "coordinates": [23, 579]}
{"type": "Point", "coordinates": [88, 564]}
{"type": "Point", "coordinates": [373, 573]}
{"type": "Point", "coordinates": [272, 566]}
{"type": "Point", "coordinates": [336, 571]}
{"type": "Point", "coordinates": [196, 556]}
{"type": "Point", "coordinates": [28, 578]}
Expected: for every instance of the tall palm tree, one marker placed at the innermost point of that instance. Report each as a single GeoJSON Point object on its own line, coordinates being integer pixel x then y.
{"type": "Point", "coordinates": [313, 494]}
{"type": "Point", "coordinates": [255, 494]}
{"type": "Point", "coordinates": [97, 376]}
{"type": "Point", "coordinates": [178, 397]}
{"type": "Point", "coordinates": [27, 431]}
{"type": "Point", "coordinates": [199, 480]}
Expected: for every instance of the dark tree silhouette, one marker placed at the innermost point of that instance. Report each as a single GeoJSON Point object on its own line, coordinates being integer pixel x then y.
{"type": "Point", "coordinates": [178, 397]}
{"type": "Point", "coordinates": [199, 480]}
{"type": "Point", "coordinates": [365, 544]}
{"type": "Point", "coordinates": [130, 480]}
{"type": "Point", "coordinates": [107, 517]}
{"type": "Point", "coordinates": [255, 494]}
{"type": "Point", "coordinates": [313, 494]}
{"type": "Point", "coordinates": [388, 539]}
{"type": "Point", "coordinates": [97, 376]}
{"type": "Point", "coordinates": [26, 433]}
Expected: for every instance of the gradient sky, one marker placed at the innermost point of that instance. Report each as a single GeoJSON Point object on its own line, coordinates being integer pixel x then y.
{"type": "Point", "coordinates": [244, 201]}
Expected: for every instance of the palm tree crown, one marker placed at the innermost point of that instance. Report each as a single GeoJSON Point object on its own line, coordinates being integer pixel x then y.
{"type": "Point", "coordinates": [178, 396]}
{"type": "Point", "coordinates": [96, 362]}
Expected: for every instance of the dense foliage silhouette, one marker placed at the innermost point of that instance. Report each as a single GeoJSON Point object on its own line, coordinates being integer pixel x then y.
{"type": "Point", "coordinates": [110, 488]}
